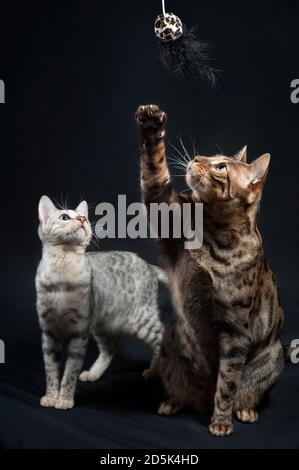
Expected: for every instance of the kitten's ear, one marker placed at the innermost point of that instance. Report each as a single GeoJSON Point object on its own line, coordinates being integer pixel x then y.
{"type": "Point", "coordinates": [258, 174]}
{"type": "Point", "coordinates": [46, 209]}
{"type": "Point", "coordinates": [82, 209]}
{"type": "Point", "coordinates": [241, 156]}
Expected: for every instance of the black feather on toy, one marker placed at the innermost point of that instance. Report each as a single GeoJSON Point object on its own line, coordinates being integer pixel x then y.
{"type": "Point", "coordinates": [180, 51]}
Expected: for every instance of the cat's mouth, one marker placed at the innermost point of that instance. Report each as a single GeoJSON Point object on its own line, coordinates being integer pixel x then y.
{"type": "Point", "coordinates": [194, 179]}
{"type": "Point", "coordinates": [81, 228]}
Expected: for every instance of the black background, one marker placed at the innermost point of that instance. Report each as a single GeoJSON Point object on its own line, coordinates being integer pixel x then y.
{"type": "Point", "coordinates": [75, 73]}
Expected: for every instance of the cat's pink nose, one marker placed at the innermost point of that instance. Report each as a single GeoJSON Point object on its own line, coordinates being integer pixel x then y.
{"type": "Point", "coordinates": [81, 219]}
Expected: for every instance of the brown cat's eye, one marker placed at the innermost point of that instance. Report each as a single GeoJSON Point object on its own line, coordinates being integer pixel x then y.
{"type": "Point", "coordinates": [221, 167]}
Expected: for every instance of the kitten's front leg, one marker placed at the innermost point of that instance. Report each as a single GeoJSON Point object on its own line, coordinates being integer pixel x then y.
{"type": "Point", "coordinates": [233, 353]}
{"type": "Point", "coordinates": [51, 351]}
{"type": "Point", "coordinates": [76, 353]}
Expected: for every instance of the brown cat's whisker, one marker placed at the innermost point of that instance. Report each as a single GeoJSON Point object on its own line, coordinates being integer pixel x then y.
{"type": "Point", "coordinates": [183, 156]}
{"type": "Point", "coordinates": [184, 149]}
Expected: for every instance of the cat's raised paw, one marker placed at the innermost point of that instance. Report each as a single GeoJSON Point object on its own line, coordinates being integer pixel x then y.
{"type": "Point", "coordinates": [48, 401]}
{"type": "Point", "coordinates": [167, 408]}
{"type": "Point", "coordinates": [64, 403]}
{"type": "Point", "coordinates": [88, 376]}
{"type": "Point", "coordinates": [151, 117]}
{"type": "Point", "coordinates": [221, 428]}
{"type": "Point", "coordinates": [247, 415]}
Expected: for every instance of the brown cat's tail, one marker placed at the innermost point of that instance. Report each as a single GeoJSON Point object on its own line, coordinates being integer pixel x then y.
{"type": "Point", "coordinates": [161, 275]}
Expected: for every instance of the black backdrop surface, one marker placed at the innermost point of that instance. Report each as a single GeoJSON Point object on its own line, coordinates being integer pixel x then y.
{"type": "Point", "coordinates": [74, 74]}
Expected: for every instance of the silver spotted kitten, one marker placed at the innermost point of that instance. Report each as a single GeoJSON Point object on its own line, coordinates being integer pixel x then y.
{"type": "Point", "coordinates": [80, 293]}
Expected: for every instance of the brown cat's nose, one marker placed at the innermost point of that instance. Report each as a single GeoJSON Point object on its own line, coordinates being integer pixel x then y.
{"type": "Point", "coordinates": [81, 219]}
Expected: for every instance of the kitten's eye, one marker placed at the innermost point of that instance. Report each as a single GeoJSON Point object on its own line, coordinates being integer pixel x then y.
{"type": "Point", "coordinates": [64, 217]}
{"type": "Point", "coordinates": [221, 167]}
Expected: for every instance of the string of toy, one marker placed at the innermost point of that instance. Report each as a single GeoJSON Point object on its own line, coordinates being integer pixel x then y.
{"type": "Point", "coordinates": [180, 51]}
{"type": "Point", "coordinates": [163, 7]}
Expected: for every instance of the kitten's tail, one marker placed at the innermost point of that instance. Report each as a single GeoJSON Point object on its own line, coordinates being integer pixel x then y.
{"type": "Point", "coordinates": [161, 275]}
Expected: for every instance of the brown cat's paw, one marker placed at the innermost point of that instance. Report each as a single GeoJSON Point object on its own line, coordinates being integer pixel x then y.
{"type": "Point", "coordinates": [247, 415]}
{"type": "Point", "coordinates": [168, 408]}
{"type": "Point", "coordinates": [48, 401]}
{"type": "Point", "coordinates": [64, 403]}
{"type": "Point", "coordinates": [221, 428]}
{"type": "Point", "coordinates": [151, 120]}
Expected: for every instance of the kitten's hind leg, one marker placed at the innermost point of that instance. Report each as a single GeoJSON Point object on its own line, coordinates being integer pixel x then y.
{"type": "Point", "coordinates": [150, 330]}
{"type": "Point", "coordinates": [107, 349]}
{"type": "Point", "coordinates": [154, 369]}
{"type": "Point", "coordinates": [169, 407]}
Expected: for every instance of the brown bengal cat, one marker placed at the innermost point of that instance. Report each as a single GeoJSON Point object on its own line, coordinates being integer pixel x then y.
{"type": "Point", "coordinates": [223, 351]}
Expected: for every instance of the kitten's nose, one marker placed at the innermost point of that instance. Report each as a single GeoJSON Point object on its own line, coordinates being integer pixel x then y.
{"type": "Point", "coordinates": [81, 219]}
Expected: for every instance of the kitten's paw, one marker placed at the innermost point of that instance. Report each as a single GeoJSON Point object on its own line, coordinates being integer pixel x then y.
{"type": "Point", "coordinates": [147, 374]}
{"type": "Point", "coordinates": [64, 403]}
{"type": "Point", "coordinates": [150, 373]}
{"type": "Point", "coordinates": [247, 415]}
{"type": "Point", "coordinates": [48, 401]}
{"type": "Point", "coordinates": [150, 119]}
{"type": "Point", "coordinates": [221, 428]}
{"type": "Point", "coordinates": [167, 408]}
{"type": "Point", "coordinates": [88, 376]}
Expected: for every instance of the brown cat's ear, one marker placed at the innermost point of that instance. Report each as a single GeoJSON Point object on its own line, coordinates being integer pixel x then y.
{"type": "Point", "coordinates": [241, 156]}
{"type": "Point", "coordinates": [258, 174]}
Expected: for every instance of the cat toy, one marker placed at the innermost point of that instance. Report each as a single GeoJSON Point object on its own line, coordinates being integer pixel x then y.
{"type": "Point", "coordinates": [180, 51]}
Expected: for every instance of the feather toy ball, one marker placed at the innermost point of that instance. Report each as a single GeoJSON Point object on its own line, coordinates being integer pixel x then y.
{"type": "Point", "coordinates": [180, 51]}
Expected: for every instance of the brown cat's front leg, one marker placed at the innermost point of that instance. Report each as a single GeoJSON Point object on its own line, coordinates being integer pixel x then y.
{"type": "Point", "coordinates": [233, 354]}
{"type": "Point", "coordinates": [76, 353]}
{"type": "Point", "coordinates": [155, 178]}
